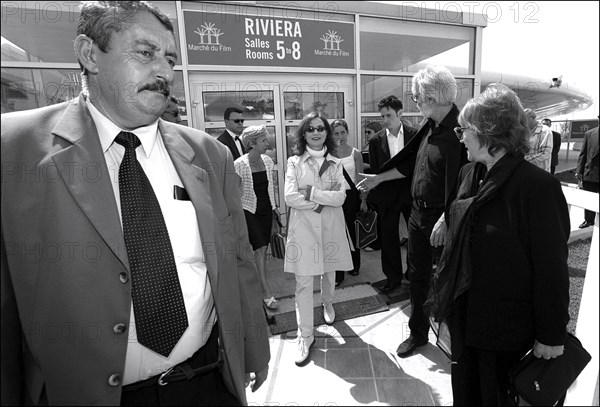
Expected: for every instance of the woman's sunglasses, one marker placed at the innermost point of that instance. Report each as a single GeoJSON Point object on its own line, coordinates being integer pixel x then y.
{"type": "Point", "coordinates": [311, 129]}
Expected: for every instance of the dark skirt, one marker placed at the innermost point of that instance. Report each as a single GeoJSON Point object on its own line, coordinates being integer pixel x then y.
{"type": "Point", "coordinates": [259, 223]}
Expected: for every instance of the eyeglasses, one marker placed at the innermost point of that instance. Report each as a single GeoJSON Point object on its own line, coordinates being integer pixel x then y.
{"type": "Point", "coordinates": [369, 132]}
{"type": "Point", "coordinates": [460, 132]}
{"type": "Point", "coordinates": [311, 129]}
{"type": "Point", "coordinates": [238, 121]}
{"type": "Point", "coordinates": [415, 98]}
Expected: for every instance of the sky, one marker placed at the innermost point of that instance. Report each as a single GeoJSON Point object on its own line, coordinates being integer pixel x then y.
{"type": "Point", "coordinates": [542, 39]}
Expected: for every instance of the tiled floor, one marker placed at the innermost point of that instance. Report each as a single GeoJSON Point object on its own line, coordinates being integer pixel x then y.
{"type": "Point", "coordinates": [354, 362]}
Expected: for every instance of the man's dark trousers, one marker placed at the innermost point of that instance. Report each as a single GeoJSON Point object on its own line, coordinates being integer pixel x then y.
{"type": "Point", "coordinates": [420, 266]}
{"type": "Point", "coordinates": [391, 254]}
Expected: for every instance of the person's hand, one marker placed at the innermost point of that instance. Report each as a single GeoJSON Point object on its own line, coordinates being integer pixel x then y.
{"type": "Point", "coordinates": [303, 192]}
{"type": "Point", "coordinates": [363, 206]}
{"type": "Point", "coordinates": [369, 182]}
{"type": "Point", "coordinates": [547, 352]}
{"type": "Point", "coordinates": [257, 379]}
{"type": "Point", "coordinates": [438, 234]}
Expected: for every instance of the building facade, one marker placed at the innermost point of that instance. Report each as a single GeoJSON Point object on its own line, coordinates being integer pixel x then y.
{"type": "Point", "coordinates": [276, 60]}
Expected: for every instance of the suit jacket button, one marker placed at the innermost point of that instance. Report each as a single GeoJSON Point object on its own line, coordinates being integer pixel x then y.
{"type": "Point", "coordinates": [123, 277]}
{"type": "Point", "coordinates": [114, 379]}
{"type": "Point", "coordinates": [119, 328]}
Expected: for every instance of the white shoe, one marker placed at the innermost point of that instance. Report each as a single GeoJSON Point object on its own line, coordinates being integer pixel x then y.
{"type": "Point", "coordinates": [304, 345]}
{"type": "Point", "coordinates": [328, 313]}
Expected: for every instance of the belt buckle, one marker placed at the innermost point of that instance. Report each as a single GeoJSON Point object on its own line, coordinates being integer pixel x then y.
{"type": "Point", "coordinates": [162, 376]}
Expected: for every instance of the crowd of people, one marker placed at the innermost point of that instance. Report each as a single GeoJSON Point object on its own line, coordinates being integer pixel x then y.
{"type": "Point", "coordinates": [181, 277]}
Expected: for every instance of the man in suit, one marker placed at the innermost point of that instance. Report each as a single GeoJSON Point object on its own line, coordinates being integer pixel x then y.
{"type": "Point", "coordinates": [556, 142]}
{"type": "Point", "coordinates": [234, 125]}
{"type": "Point", "coordinates": [587, 170]}
{"type": "Point", "coordinates": [390, 191]}
{"type": "Point", "coordinates": [73, 328]}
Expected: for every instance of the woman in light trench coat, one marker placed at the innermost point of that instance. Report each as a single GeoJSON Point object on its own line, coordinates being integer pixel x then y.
{"type": "Point", "coordinates": [317, 244]}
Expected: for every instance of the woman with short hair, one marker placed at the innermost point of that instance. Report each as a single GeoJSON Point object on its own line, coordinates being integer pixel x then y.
{"type": "Point", "coordinates": [502, 283]}
{"type": "Point", "coordinates": [258, 200]}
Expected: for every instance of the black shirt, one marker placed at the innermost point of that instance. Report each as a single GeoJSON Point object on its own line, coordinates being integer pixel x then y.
{"type": "Point", "coordinates": [439, 158]}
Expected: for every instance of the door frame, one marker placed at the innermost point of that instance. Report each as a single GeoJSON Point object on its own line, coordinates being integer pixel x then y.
{"type": "Point", "coordinates": [278, 83]}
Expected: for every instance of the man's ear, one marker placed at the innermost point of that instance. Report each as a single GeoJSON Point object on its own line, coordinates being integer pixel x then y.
{"type": "Point", "coordinates": [86, 53]}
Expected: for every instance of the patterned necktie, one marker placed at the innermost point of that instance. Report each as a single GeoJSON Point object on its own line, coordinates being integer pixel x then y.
{"type": "Point", "coordinates": [160, 316]}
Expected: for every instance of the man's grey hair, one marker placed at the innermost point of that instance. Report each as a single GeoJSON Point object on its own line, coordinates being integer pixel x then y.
{"type": "Point", "coordinates": [436, 82]}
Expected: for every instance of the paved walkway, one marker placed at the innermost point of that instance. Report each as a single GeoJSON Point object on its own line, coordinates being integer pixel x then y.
{"type": "Point", "coordinates": [354, 362]}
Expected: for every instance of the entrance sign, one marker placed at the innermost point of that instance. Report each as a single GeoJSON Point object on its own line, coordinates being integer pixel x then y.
{"type": "Point", "coordinates": [245, 40]}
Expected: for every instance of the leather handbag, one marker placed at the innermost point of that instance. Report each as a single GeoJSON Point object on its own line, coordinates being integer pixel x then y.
{"type": "Point", "coordinates": [278, 239]}
{"type": "Point", "coordinates": [366, 228]}
{"type": "Point", "coordinates": [542, 382]}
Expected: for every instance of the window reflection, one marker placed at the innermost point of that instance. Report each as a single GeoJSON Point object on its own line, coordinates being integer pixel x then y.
{"type": "Point", "coordinates": [43, 31]}
{"type": "Point", "coordinates": [291, 141]}
{"type": "Point", "coordinates": [299, 104]}
{"type": "Point", "coordinates": [257, 105]}
{"type": "Point", "coordinates": [375, 88]}
{"type": "Point", "coordinates": [406, 46]}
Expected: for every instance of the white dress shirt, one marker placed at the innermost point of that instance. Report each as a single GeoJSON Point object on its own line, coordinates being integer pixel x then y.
{"type": "Point", "coordinates": [180, 219]}
{"type": "Point", "coordinates": [395, 143]}
{"type": "Point", "coordinates": [237, 140]}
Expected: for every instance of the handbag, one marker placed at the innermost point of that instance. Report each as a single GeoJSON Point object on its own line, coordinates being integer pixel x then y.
{"type": "Point", "coordinates": [366, 228]}
{"type": "Point", "coordinates": [278, 239]}
{"type": "Point", "coordinates": [542, 382]}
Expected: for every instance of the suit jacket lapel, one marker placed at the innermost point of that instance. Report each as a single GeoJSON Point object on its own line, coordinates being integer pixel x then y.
{"type": "Point", "coordinates": [232, 146]}
{"type": "Point", "coordinates": [82, 168]}
{"type": "Point", "coordinates": [195, 181]}
{"type": "Point", "coordinates": [385, 148]}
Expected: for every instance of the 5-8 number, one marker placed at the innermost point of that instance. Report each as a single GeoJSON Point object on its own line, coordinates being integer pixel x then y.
{"type": "Point", "coordinates": [296, 50]}
{"type": "Point", "coordinates": [280, 50]}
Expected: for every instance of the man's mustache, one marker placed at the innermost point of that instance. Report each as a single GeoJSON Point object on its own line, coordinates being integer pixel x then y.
{"type": "Point", "coordinates": [158, 86]}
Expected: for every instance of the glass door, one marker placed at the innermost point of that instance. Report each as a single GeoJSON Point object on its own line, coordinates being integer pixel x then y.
{"type": "Point", "coordinates": [277, 101]}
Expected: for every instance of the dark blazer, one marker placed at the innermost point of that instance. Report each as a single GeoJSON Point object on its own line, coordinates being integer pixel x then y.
{"type": "Point", "coordinates": [390, 193]}
{"type": "Point", "coordinates": [587, 165]}
{"type": "Point", "coordinates": [520, 282]}
{"type": "Point", "coordinates": [226, 139]}
{"type": "Point", "coordinates": [60, 310]}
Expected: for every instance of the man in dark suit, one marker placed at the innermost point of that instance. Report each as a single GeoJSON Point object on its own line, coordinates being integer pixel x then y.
{"type": "Point", "coordinates": [556, 142]}
{"type": "Point", "coordinates": [390, 191]}
{"type": "Point", "coordinates": [234, 125]}
{"type": "Point", "coordinates": [588, 170]}
{"type": "Point", "coordinates": [73, 310]}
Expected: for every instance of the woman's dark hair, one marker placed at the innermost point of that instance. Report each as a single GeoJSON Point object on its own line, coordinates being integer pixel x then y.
{"type": "Point", "coordinates": [301, 130]}
{"type": "Point", "coordinates": [375, 126]}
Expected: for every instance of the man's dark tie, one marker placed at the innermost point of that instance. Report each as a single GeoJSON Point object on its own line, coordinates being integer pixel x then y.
{"type": "Point", "coordinates": [160, 316]}
{"type": "Point", "coordinates": [237, 138]}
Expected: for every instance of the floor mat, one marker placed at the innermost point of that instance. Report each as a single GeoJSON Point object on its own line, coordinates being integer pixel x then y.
{"type": "Point", "coordinates": [349, 302]}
